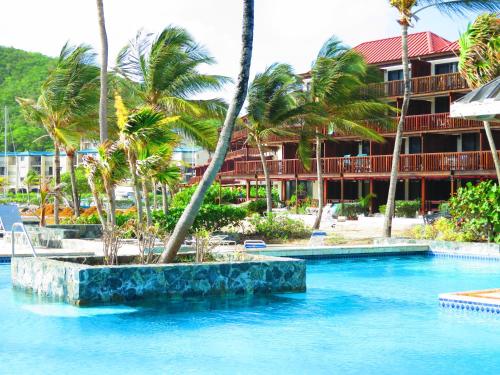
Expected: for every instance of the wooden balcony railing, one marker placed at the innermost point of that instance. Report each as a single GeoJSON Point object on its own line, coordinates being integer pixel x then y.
{"type": "Point", "coordinates": [241, 153]}
{"type": "Point", "coordinates": [429, 122]}
{"type": "Point", "coordinates": [239, 134]}
{"type": "Point", "coordinates": [419, 85]}
{"type": "Point", "coordinates": [378, 164]}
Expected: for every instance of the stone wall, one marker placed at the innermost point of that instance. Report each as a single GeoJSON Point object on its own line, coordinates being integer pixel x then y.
{"type": "Point", "coordinates": [83, 231]}
{"type": "Point", "coordinates": [82, 284]}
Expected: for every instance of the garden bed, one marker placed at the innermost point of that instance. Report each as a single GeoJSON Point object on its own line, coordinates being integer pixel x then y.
{"type": "Point", "coordinates": [75, 280]}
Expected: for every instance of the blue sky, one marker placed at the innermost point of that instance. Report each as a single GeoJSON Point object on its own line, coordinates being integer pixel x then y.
{"type": "Point", "coordinates": [290, 31]}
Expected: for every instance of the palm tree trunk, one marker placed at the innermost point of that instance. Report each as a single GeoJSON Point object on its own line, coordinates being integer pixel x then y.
{"type": "Point", "coordinates": [494, 153]}
{"type": "Point", "coordinates": [103, 125]}
{"type": "Point", "coordinates": [74, 188]}
{"type": "Point", "coordinates": [155, 201]}
{"type": "Point", "coordinates": [137, 189]}
{"type": "Point", "coordinates": [28, 186]}
{"type": "Point", "coordinates": [319, 174]}
{"type": "Point", "coordinates": [110, 192]}
{"type": "Point", "coordinates": [98, 203]}
{"type": "Point", "coordinates": [164, 198]}
{"type": "Point", "coordinates": [269, 191]}
{"type": "Point", "coordinates": [391, 196]}
{"type": "Point", "coordinates": [57, 173]}
{"type": "Point", "coordinates": [145, 192]}
{"type": "Point", "coordinates": [189, 214]}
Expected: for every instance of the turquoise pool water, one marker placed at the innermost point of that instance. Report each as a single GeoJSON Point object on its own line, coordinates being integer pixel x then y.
{"type": "Point", "coordinates": [359, 316]}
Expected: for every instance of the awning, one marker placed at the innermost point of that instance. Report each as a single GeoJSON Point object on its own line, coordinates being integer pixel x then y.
{"type": "Point", "coordinates": [480, 104]}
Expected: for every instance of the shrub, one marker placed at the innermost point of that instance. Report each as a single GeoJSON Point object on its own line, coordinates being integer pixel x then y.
{"type": "Point", "coordinates": [210, 217]}
{"type": "Point", "coordinates": [279, 227]}
{"type": "Point", "coordinates": [476, 210]}
{"type": "Point", "coordinates": [403, 208]}
{"type": "Point", "coordinates": [351, 209]}
{"type": "Point", "coordinates": [182, 198]}
{"type": "Point", "coordinates": [258, 206]}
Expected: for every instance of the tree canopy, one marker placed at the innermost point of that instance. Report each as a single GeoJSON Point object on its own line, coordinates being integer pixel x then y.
{"type": "Point", "coordinates": [21, 75]}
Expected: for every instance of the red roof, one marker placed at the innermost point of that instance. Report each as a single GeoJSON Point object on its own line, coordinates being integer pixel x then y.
{"type": "Point", "coordinates": [419, 44]}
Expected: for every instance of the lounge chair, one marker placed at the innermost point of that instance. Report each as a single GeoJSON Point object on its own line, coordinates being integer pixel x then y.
{"type": "Point", "coordinates": [254, 244]}
{"type": "Point", "coordinates": [317, 238]}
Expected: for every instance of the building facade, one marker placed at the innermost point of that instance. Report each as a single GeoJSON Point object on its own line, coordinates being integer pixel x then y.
{"type": "Point", "coordinates": [438, 153]}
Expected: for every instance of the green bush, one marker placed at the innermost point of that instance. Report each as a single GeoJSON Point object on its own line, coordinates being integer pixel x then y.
{"type": "Point", "coordinates": [279, 227]}
{"type": "Point", "coordinates": [351, 209]}
{"type": "Point", "coordinates": [261, 193]}
{"type": "Point", "coordinates": [403, 208]}
{"type": "Point", "coordinates": [121, 219]}
{"type": "Point", "coordinates": [228, 195]}
{"type": "Point", "coordinates": [211, 217]}
{"type": "Point", "coordinates": [476, 210]}
{"type": "Point", "coordinates": [258, 206]}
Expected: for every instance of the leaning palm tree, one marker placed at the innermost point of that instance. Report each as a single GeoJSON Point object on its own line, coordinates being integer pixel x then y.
{"type": "Point", "coordinates": [189, 214]}
{"type": "Point", "coordinates": [480, 62]}
{"type": "Point", "coordinates": [103, 125]}
{"type": "Point", "coordinates": [409, 10]}
{"type": "Point", "coordinates": [271, 102]}
{"type": "Point", "coordinates": [67, 101]}
{"type": "Point", "coordinates": [334, 102]}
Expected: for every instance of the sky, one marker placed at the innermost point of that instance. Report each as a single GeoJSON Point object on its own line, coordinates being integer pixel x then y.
{"type": "Point", "coordinates": [290, 31]}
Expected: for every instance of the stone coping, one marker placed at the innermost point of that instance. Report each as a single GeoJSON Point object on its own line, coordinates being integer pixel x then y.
{"type": "Point", "coordinates": [319, 252]}
{"type": "Point", "coordinates": [84, 284]}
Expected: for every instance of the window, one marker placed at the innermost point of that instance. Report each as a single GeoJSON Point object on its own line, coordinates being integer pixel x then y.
{"type": "Point", "coordinates": [415, 146]}
{"type": "Point", "coordinates": [446, 68]}
{"type": "Point", "coordinates": [442, 104]}
{"type": "Point", "coordinates": [50, 171]}
{"type": "Point", "coordinates": [470, 142]}
{"type": "Point", "coordinates": [395, 75]}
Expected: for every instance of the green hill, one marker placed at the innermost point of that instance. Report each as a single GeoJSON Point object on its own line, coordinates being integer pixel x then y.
{"type": "Point", "coordinates": [21, 74]}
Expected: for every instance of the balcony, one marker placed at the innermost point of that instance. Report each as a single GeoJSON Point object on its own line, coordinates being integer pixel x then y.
{"type": "Point", "coordinates": [438, 163]}
{"type": "Point", "coordinates": [429, 123]}
{"type": "Point", "coordinates": [420, 85]}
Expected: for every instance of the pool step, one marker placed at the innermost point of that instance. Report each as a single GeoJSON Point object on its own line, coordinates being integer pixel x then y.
{"type": "Point", "coordinates": [487, 300]}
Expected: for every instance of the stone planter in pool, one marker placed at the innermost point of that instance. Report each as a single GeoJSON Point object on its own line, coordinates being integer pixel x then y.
{"type": "Point", "coordinates": [74, 280]}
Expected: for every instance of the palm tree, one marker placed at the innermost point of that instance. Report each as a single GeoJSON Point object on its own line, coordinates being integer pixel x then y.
{"type": "Point", "coordinates": [103, 125]}
{"type": "Point", "coordinates": [334, 101]}
{"type": "Point", "coordinates": [408, 10]}
{"type": "Point", "coordinates": [67, 101]}
{"type": "Point", "coordinates": [189, 214]}
{"type": "Point", "coordinates": [480, 62]}
{"type": "Point", "coordinates": [32, 178]}
{"type": "Point", "coordinates": [139, 132]}
{"type": "Point", "coordinates": [271, 102]}
{"type": "Point", "coordinates": [163, 73]}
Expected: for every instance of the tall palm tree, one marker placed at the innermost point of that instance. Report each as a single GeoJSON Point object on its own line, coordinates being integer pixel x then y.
{"type": "Point", "coordinates": [334, 101]}
{"type": "Point", "coordinates": [103, 125]}
{"type": "Point", "coordinates": [163, 73]}
{"type": "Point", "coordinates": [480, 62]}
{"type": "Point", "coordinates": [67, 101]}
{"type": "Point", "coordinates": [189, 214]}
{"type": "Point", "coordinates": [271, 102]}
{"type": "Point", "coordinates": [409, 10]}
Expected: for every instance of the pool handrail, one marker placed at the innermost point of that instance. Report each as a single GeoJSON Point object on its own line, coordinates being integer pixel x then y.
{"type": "Point", "coordinates": [13, 240]}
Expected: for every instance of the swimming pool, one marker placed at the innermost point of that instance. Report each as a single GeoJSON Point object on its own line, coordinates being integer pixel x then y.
{"type": "Point", "coordinates": [364, 315]}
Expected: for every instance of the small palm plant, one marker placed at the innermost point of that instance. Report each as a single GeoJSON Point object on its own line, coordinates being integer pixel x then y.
{"type": "Point", "coordinates": [271, 104]}
{"type": "Point", "coordinates": [32, 179]}
{"type": "Point", "coordinates": [480, 62]}
{"type": "Point", "coordinates": [104, 172]}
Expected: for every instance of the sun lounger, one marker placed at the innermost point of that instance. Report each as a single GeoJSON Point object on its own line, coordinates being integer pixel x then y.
{"type": "Point", "coordinates": [254, 244]}
{"type": "Point", "coordinates": [12, 227]}
{"type": "Point", "coordinates": [317, 238]}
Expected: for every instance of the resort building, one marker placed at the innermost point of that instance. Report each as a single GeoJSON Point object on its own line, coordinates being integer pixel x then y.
{"type": "Point", "coordinates": [438, 153]}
